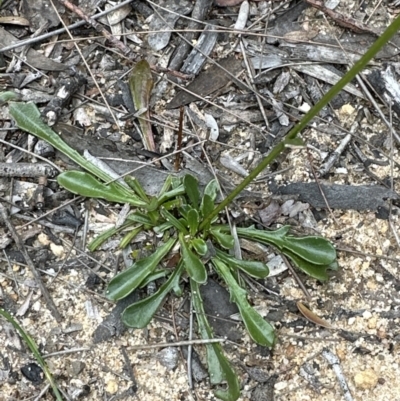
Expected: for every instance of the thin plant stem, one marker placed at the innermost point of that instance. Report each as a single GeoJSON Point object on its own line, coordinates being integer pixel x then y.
{"type": "Point", "coordinates": [288, 141]}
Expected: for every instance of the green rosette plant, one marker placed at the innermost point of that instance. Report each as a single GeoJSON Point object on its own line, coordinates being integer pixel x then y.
{"type": "Point", "coordinates": [186, 220]}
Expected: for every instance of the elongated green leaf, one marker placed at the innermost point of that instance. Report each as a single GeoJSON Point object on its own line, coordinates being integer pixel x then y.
{"type": "Point", "coordinates": [166, 186]}
{"type": "Point", "coordinates": [137, 187]}
{"type": "Point", "coordinates": [162, 227]}
{"type": "Point", "coordinates": [211, 189]}
{"type": "Point", "coordinates": [81, 183]}
{"type": "Point", "coordinates": [316, 250]}
{"type": "Point", "coordinates": [218, 366]}
{"type": "Point", "coordinates": [141, 84]}
{"type": "Point", "coordinates": [267, 235]}
{"type": "Point", "coordinates": [192, 262]}
{"type": "Point", "coordinates": [174, 221]}
{"type": "Point", "coordinates": [141, 218]}
{"type": "Point", "coordinates": [127, 281]}
{"type": "Point", "coordinates": [140, 313]}
{"type": "Point", "coordinates": [35, 351]}
{"type": "Point", "coordinates": [251, 267]}
{"type": "Point", "coordinates": [126, 240]}
{"type": "Point", "coordinates": [27, 117]}
{"type": "Point", "coordinates": [7, 97]}
{"type": "Point", "coordinates": [206, 207]}
{"type": "Point", "coordinates": [193, 220]}
{"type": "Point", "coordinates": [172, 204]}
{"type": "Point", "coordinates": [176, 182]}
{"type": "Point", "coordinates": [192, 190]}
{"type": "Point", "coordinates": [261, 331]}
{"type": "Point", "coordinates": [200, 246]}
{"type": "Point", "coordinates": [154, 276]}
{"type": "Point", "coordinates": [317, 271]}
{"type": "Point", "coordinates": [225, 240]}
{"type": "Point", "coordinates": [105, 236]}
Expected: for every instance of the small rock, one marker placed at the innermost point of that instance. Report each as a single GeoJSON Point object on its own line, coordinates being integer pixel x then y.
{"type": "Point", "coordinates": [366, 379]}
{"type": "Point", "coordinates": [33, 372]}
{"type": "Point", "coordinates": [168, 357]}
{"type": "Point", "coordinates": [75, 367]}
{"type": "Point", "coordinates": [372, 322]}
{"type": "Point", "coordinates": [111, 387]}
{"type": "Point", "coordinates": [58, 250]}
{"type": "Point", "coordinates": [280, 386]}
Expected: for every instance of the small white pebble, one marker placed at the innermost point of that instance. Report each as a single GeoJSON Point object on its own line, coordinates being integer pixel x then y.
{"type": "Point", "coordinates": [305, 107]}
{"type": "Point", "coordinates": [280, 386]}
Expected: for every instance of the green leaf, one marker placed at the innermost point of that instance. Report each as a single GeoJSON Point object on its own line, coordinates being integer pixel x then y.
{"type": "Point", "coordinates": [316, 250]}
{"type": "Point", "coordinates": [126, 240]}
{"type": "Point", "coordinates": [192, 262]}
{"type": "Point", "coordinates": [127, 281]}
{"type": "Point", "coordinates": [192, 190]}
{"type": "Point", "coordinates": [316, 271]}
{"type": "Point", "coordinates": [27, 117]}
{"type": "Point", "coordinates": [154, 276]}
{"type": "Point", "coordinates": [7, 97]}
{"type": "Point", "coordinates": [253, 268]}
{"type": "Point", "coordinates": [218, 366]}
{"type": "Point", "coordinates": [184, 210]}
{"type": "Point", "coordinates": [100, 239]}
{"type": "Point", "coordinates": [166, 186]}
{"type": "Point", "coordinates": [174, 221]}
{"type": "Point", "coordinates": [211, 189]}
{"type": "Point", "coordinates": [200, 246]}
{"type": "Point", "coordinates": [140, 313]}
{"type": "Point", "coordinates": [173, 193]}
{"type": "Point", "coordinates": [193, 220]}
{"type": "Point", "coordinates": [162, 227]}
{"type": "Point", "coordinates": [225, 240]}
{"type": "Point", "coordinates": [141, 84]}
{"type": "Point", "coordinates": [141, 218]}
{"type": "Point", "coordinates": [35, 351]}
{"type": "Point", "coordinates": [261, 331]}
{"type": "Point", "coordinates": [81, 183]}
{"type": "Point", "coordinates": [207, 206]}
{"type": "Point", "coordinates": [137, 187]}
{"type": "Point", "coordinates": [172, 204]}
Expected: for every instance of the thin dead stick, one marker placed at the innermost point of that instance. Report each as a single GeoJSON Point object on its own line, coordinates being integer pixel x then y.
{"type": "Point", "coordinates": [296, 277]}
{"type": "Point", "coordinates": [178, 344]}
{"type": "Point", "coordinates": [190, 347]}
{"type": "Point", "coordinates": [319, 186]}
{"type": "Point", "coordinates": [66, 351]}
{"type": "Point", "coordinates": [334, 361]}
{"type": "Point", "coordinates": [50, 303]}
{"type": "Point", "coordinates": [27, 170]}
{"type": "Point", "coordinates": [178, 156]}
{"type": "Point", "coordinates": [32, 154]}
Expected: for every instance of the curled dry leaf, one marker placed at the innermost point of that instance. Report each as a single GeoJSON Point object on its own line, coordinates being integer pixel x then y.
{"type": "Point", "coordinates": [312, 317]}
